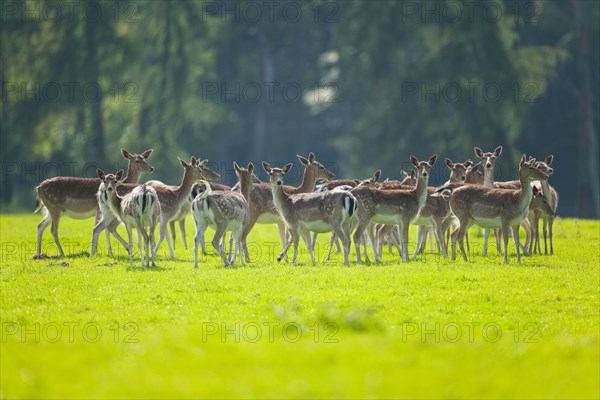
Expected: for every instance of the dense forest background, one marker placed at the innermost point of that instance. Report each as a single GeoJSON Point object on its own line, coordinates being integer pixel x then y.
{"type": "Point", "coordinates": [363, 84]}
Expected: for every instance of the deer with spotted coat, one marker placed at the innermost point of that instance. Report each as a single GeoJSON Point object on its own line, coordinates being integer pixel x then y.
{"type": "Point", "coordinates": [139, 208]}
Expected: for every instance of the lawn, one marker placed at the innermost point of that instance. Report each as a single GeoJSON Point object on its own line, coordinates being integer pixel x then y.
{"type": "Point", "coordinates": [96, 328]}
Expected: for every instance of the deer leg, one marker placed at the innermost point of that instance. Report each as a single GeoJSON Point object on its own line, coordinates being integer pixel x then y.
{"type": "Point", "coordinates": [112, 228]}
{"type": "Point", "coordinates": [486, 236]}
{"type": "Point", "coordinates": [151, 239]}
{"type": "Point", "coordinates": [99, 227]}
{"type": "Point", "coordinates": [198, 238]}
{"type": "Point", "coordinates": [460, 235]}
{"type": "Point", "coordinates": [332, 239]}
{"type": "Point", "coordinates": [295, 239]}
{"type": "Point", "coordinates": [245, 231]}
{"type": "Point", "coordinates": [161, 235]}
{"type": "Point", "coordinates": [54, 230]}
{"type": "Point", "coordinates": [404, 238]}
{"type": "Point", "coordinates": [173, 233]}
{"type": "Point", "coordinates": [505, 232]}
{"type": "Point", "coordinates": [309, 245]}
{"type": "Point", "coordinates": [339, 231]}
{"type": "Point", "coordinates": [420, 239]}
{"type": "Point", "coordinates": [357, 238]}
{"type": "Point", "coordinates": [431, 240]}
{"type": "Point", "coordinates": [217, 242]}
{"type": "Point", "coordinates": [130, 246]}
{"type": "Point", "coordinates": [182, 230]}
{"type": "Point", "coordinates": [550, 223]}
{"type": "Point", "coordinates": [40, 231]}
{"type": "Point", "coordinates": [286, 246]}
{"type": "Point", "coordinates": [439, 236]}
{"type": "Point", "coordinates": [515, 232]}
{"type": "Point", "coordinates": [498, 244]}
{"type": "Point", "coordinates": [283, 237]}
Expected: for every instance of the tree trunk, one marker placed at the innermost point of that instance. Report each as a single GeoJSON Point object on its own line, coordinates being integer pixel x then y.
{"type": "Point", "coordinates": [588, 179]}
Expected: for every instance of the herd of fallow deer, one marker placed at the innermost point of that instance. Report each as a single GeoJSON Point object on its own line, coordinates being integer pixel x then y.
{"type": "Point", "coordinates": [367, 211]}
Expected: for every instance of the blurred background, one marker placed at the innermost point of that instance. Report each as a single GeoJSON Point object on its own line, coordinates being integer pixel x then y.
{"type": "Point", "coordinates": [363, 84]}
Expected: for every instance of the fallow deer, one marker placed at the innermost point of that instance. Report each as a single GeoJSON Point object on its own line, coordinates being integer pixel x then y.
{"type": "Point", "coordinates": [76, 198]}
{"type": "Point", "coordinates": [393, 207]}
{"type": "Point", "coordinates": [318, 212]}
{"type": "Point", "coordinates": [171, 198]}
{"type": "Point", "coordinates": [488, 160]}
{"type": "Point", "coordinates": [139, 208]}
{"type": "Point", "coordinates": [224, 211]}
{"type": "Point", "coordinates": [494, 208]}
{"type": "Point", "coordinates": [262, 207]}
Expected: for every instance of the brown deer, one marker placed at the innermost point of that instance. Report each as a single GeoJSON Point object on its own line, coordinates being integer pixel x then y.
{"type": "Point", "coordinates": [225, 211]}
{"type": "Point", "coordinates": [171, 198]}
{"type": "Point", "coordinates": [139, 208]}
{"type": "Point", "coordinates": [317, 212]}
{"type": "Point", "coordinates": [392, 207]}
{"type": "Point", "coordinates": [488, 160]}
{"type": "Point", "coordinates": [262, 207]}
{"type": "Point", "coordinates": [494, 208]}
{"type": "Point", "coordinates": [458, 171]}
{"type": "Point", "coordinates": [76, 198]}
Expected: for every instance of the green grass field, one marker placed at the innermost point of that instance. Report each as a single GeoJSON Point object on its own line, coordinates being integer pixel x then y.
{"type": "Point", "coordinates": [96, 328]}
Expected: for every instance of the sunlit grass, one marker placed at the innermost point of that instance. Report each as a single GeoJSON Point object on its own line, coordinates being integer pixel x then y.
{"type": "Point", "coordinates": [80, 327]}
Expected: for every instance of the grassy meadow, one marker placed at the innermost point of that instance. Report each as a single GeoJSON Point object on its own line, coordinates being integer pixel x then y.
{"type": "Point", "coordinates": [97, 328]}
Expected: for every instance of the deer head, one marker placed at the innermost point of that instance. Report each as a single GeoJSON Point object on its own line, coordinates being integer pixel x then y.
{"type": "Point", "coordinates": [316, 168]}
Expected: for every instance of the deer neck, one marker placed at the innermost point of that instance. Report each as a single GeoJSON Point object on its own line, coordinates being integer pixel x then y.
{"type": "Point", "coordinates": [547, 193]}
{"type": "Point", "coordinates": [526, 192]}
{"type": "Point", "coordinates": [183, 191]}
{"type": "Point", "coordinates": [488, 177]}
{"type": "Point", "coordinates": [115, 202]}
{"type": "Point", "coordinates": [133, 174]}
{"type": "Point", "coordinates": [308, 181]}
{"type": "Point", "coordinates": [420, 191]}
{"type": "Point", "coordinates": [280, 199]}
{"type": "Point", "coordinates": [245, 189]}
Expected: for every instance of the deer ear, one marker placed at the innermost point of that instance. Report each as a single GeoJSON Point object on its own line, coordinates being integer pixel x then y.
{"type": "Point", "coordinates": [449, 163]}
{"type": "Point", "coordinates": [266, 166]}
{"type": "Point", "coordinates": [403, 174]}
{"type": "Point", "coordinates": [183, 163]}
{"type": "Point", "coordinates": [250, 167]}
{"type": "Point", "coordinates": [498, 151]}
{"type": "Point", "coordinates": [119, 174]}
{"type": "Point", "coordinates": [412, 174]}
{"type": "Point", "coordinates": [549, 159]}
{"type": "Point", "coordinates": [414, 161]}
{"type": "Point", "coordinates": [468, 163]}
{"type": "Point", "coordinates": [357, 181]}
{"type": "Point", "coordinates": [236, 166]}
{"type": "Point", "coordinates": [287, 167]}
{"type": "Point", "coordinates": [100, 173]}
{"type": "Point", "coordinates": [147, 153]}
{"type": "Point", "coordinates": [377, 175]}
{"type": "Point", "coordinates": [302, 159]}
{"type": "Point", "coordinates": [478, 152]}
{"type": "Point", "coordinates": [194, 161]}
{"type": "Point", "coordinates": [432, 160]}
{"type": "Point", "coordinates": [125, 153]}
{"type": "Point", "coordinates": [311, 157]}
{"type": "Point", "coordinates": [523, 159]}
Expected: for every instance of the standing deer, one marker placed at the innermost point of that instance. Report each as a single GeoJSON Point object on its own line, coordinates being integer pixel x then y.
{"type": "Point", "coordinates": [225, 211]}
{"type": "Point", "coordinates": [317, 211]}
{"type": "Point", "coordinates": [494, 208]}
{"type": "Point", "coordinates": [551, 196]}
{"type": "Point", "coordinates": [207, 174]}
{"type": "Point", "coordinates": [393, 207]}
{"type": "Point", "coordinates": [262, 207]}
{"type": "Point", "coordinates": [139, 208]}
{"type": "Point", "coordinates": [172, 197]}
{"type": "Point", "coordinates": [489, 162]}
{"type": "Point", "coordinates": [76, 198]}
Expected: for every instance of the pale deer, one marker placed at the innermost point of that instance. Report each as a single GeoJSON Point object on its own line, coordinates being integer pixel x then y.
{"type": "Point", "coordinates": [262, 207]}
{"type": "Point", "coordinates": [551, 196]}
{"type": "Point", "coordinates": [392, 207]}
{"type": "Point", "coordinates": [139, 208]}
{"type": "Point", "coordinates": [488, 159]}
{"type": "Point", "coordinates": [208, 175]}
{"type": "Point", "coordinates": [171, 198]}
{"type": "Point", "coordinates": [317, 212]}
{"type": "Point", "coordinates": [224, 211]}
{"type": "Point", "coordinates": [494, 208]}
{"type": "Point", "coordinates": [76, 198]}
